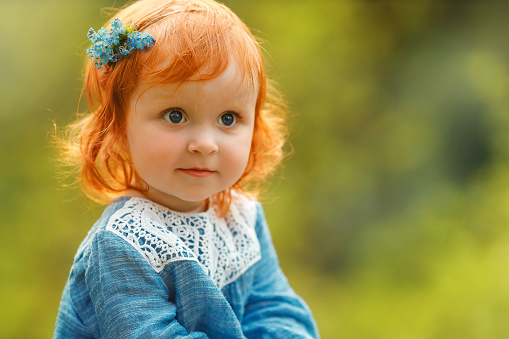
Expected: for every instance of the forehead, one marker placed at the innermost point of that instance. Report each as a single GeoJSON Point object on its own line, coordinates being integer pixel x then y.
{"type": "Point", "coordinates": [232, 83]}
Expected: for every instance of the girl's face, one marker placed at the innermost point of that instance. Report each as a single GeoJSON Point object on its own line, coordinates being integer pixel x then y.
{"type": "Point", "coordinates": [191, 141]}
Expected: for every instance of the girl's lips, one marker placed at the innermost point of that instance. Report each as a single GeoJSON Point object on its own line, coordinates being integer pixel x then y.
{"type": "Point", "coordinates": [197, 172]}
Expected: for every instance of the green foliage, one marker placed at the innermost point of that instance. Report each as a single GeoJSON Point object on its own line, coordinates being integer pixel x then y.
{"type": "Point", "coordinates": [391, 216]}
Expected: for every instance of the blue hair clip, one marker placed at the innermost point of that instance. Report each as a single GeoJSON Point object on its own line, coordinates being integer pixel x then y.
{"type": "Point", "coordinates": [108, 47]}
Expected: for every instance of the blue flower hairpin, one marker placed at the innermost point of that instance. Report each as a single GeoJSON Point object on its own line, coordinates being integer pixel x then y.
{"type": "Point", "coordinates": [108, 47]}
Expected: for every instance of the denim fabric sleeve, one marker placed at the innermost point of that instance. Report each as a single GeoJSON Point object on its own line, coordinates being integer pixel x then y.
{"type": "Point", "coordinates": [128, 296]}
{"type": "Point", "coordinates": [273, 309]}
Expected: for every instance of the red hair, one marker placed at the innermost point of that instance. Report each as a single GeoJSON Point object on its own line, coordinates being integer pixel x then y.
{"type": "Point", "coordinates": [195, 39]}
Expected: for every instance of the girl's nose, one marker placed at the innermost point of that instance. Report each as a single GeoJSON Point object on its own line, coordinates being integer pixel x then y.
{"type": "Point", "coordinates": [203, 142]}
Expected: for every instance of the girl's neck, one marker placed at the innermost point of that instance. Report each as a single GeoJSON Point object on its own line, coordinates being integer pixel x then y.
{"type": "Point", "coordinates": [178, 206]}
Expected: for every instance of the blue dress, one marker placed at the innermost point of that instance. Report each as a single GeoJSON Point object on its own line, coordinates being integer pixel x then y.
{"type": "Point", "coordinates": [144, 271]}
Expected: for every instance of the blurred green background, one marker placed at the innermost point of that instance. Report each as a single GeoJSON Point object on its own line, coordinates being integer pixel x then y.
{"type": "Point", "coordinates": [391, 216]}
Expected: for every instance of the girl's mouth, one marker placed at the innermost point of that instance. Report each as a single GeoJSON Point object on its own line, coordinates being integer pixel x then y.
{"type": "Point", "coordinates": [197, 172]}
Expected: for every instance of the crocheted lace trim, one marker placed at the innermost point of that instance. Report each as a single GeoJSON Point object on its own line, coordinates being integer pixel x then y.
{"type": "Point", "coordinates": [224, 248]}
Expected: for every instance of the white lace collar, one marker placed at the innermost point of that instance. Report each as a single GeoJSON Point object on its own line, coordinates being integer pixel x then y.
{"type": "Point", "coordinates": [224, 248]}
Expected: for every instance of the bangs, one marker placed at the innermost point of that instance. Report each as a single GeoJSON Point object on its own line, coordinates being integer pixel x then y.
{"type": "Point", "coordinates": [195, 41]}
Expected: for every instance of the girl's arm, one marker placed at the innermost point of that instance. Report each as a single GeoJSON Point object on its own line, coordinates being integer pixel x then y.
{"type": "Point", "coordinates": [129, 298]}
{"type": "Point", "coordinates": [273, 309]}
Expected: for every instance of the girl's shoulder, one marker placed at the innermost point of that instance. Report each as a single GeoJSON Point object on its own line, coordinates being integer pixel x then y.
{"type": "Point", "coordinates": [243, 209]}
{"type": "Point", "coordinates": [99, 226]}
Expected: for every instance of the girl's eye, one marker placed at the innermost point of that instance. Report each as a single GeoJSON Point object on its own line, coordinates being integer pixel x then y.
{"type": "Point", "coordinates": [228, 119]}
{"type": "Point", "coordinates": [174, 116]}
